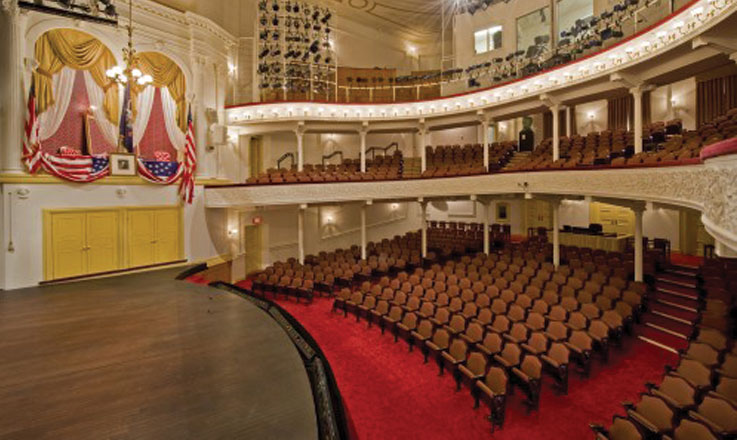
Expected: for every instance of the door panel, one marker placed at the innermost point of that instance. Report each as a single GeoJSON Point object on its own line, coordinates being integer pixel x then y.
{"type": "Point", "coordinates": [141, 238]}
{"type": "Point", "coordinates": [103, 235]}
{"type": "Point", "coordinates": [252, 239]}
{"type": "Point", "coordinates": [167, 235]}
{"type": "Point", "coordinates": [614, 219]}
{"type": "Point", "coordinates": [68, 245]}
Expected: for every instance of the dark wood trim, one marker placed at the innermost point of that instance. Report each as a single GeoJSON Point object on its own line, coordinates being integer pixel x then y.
{"type": "Point", "coordinates": [332, 421]}
{"type": "Point", "coordinates": [192, 271]}
{"type": "Point", "coordinates": [110, 272]}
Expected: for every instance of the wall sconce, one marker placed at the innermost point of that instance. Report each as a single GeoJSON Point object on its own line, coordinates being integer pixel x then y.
{"type": "Point", "coordinates": [329, 220]}
{"type": "Point", "coordinates": [394, 206]}
{"type": "Point", "coordinates": [232, 232]}
{"type": "Point", "coordinates": [592, 115]}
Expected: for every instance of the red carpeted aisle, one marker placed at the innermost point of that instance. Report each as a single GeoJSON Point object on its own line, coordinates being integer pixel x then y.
{"type": "Point", "coordinates": [390, 394]}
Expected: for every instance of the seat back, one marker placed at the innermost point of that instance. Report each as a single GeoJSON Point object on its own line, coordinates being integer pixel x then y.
{"type": "Point", "coordinates": [410, 321]}
{"type": "Point", "coordinates": [512, 354]}
{"type": "Point", "coordinates": [441, 338]}
{"type": "Point", "coordinates": [691, 429]}
{"type": "Point", "coordinates": [581, 340]}
{"type": "Point", "coordinates": [476, 363]}
{"type": "Point", "coordinates": [719, 411]}
{"type": "Point", "coordinates": [425, 328]}
{"type": "Point", "coordinates": [442, 315]}
{"type": "Point", "coordinates": [457, 323]}
{"type": "Point", "coordinates": [519, 332]}
{"type": "Point", "coordinates": [474, 331]}
{"type": "Point", "coordinates": [458, 349]}
{"type": "Point", "coordinates": [500, 324]}
{"type": "Point", "coordinates": [703, 353]}
{"type": "Point", "coordinates": [559, 353]}
{"type": "Point", "coordinates": [678, 389]}
{"type": "Point", "coordinates": [656, 411]}
{"type": "Point", "coordinates": [694, 372]}
{"type": "Point", "coordinates": [496, 379]}
{"type": "Point", "coordinates": [493, 342]}
{"type": "Point", "coordinates": [532, 367]}
{"type": "Point", "coordinates": [624, 429]}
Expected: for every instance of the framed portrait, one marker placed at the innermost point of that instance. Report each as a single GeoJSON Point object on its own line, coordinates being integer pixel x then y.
{"type": "Point", "coordinates": [122, 164]}
{"type": "Point", "coordinates": [502, 212]}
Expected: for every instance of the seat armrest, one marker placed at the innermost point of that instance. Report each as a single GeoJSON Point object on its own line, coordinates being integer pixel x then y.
{"type": "Point", "coordinates": [519, 373]}
{"type": "Point", "coordinates": [718, 429]}
{"type": "Point", "coordinates": [634, 415]}
{"type": "Point", "coordinates": [484, 389]}
{"type": "Point", "coordinates": [550, 360]}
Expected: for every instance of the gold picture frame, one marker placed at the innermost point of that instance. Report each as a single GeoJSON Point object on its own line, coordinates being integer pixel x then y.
{"type": "Point", "coordinates": [123, 164]}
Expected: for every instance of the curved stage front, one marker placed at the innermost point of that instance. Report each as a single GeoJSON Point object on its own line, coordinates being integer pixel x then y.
{"type": "Point", "coordinates": [147, 357]}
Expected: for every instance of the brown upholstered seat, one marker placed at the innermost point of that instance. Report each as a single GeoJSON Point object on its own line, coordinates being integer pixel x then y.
{"type": "Point", "coordinates": [405, 328]}
{"type": "Point", "coordinates": [676, 392]}
{"type": "Point", "coordinates": [718, 414]}
{"type": "Point", "coordinates": [473, 370]}
{"type": "Point", "coordinates": [452, 358]}
{"type": "Point", "coordinates": [621, 429]}
{"type": "Point", "coordinates": [391, 319]}
{"type": "Point", "coordinates": [381, 309]}
{"type": "Point", "coordinates": [529, 377]}
{"type": "Point", "coordinates": [556, 361]}
{"type": "Point", "coordinates": [420, 335]}
{"type": "Point", "coordinates": [493, 391]}
{"type": "Point", "coordinates": [653, 415]}
{"type": "Point", "coordinates": [691, 430]}
{"type": "Point", "coordinates": [581, 345]}
{"type": "Point", "coordinates": [439, 343]}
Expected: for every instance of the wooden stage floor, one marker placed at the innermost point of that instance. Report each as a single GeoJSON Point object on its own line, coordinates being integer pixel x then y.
{"type": "Point", "coordinates": [147, 357]}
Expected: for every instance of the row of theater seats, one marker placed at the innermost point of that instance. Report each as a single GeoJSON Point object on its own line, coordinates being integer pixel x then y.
{"type": "Point", "coordinates": [697, 398]}
{"type": "Point", "coordinates": [379, 168]}
{"type": "Point", "coordinates": [501, 320]}
{"type": "Point", "coordinates": [452, 161]}
{"type": "Point", "coordinates": [664, 143]}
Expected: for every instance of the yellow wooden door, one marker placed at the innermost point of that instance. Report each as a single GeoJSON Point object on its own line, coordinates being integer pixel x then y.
{"type": "Point", "coordinates": [538, 214]}
{"type": "Point", "coordinates": [103, 241]}
{"type": "Point", "coordinates": [68, 245]}
{"type": "Point", "coordinates": [141, 237]}
{"type": "Point", "coordinates": [168, 233]}
{"type": "Point", "coordinates": [252, 237]}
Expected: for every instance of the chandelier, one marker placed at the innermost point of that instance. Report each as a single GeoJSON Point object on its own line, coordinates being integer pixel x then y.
{"type": "Point", "coordinates": [130, 73]}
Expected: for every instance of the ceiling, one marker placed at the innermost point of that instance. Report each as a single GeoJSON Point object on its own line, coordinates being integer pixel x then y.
{"type": "Point", "coordinates": [414, 20]}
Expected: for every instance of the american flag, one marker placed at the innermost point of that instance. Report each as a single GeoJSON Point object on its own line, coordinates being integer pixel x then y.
{"type": "Point", "coordinates": [186, 185]}
{"type": "Point", "coordinates": [163, 173]}
{"type": "Point", "coordinates": [31, 152]}
{"type": "Point", "coordinates": [81, 169]}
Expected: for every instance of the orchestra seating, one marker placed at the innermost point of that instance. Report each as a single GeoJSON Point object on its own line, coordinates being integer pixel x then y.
{"type": "Point", "coordinates": [697, 397]}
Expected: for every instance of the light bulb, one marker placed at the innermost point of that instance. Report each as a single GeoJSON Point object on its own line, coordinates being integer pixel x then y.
{"type": "Point", "coordinates": [110, 73]}
{"type": "Point", "coordinates": [136, 73]}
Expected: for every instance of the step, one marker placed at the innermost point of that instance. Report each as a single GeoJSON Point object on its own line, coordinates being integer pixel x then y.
{"type": "Point", "coordinates": [671, 317]}
{"type": "Point", "coordinates": [690, 284]}
{"type": "Point", "coordinates": [676, 299]}
{"type": "Point", "coordinates": [682, 328]}
{"type": "Point", "coordinates": [663, 337]}
{"type": "Point", "coordinates": [672, 311]}
{"type": "Point", "coordinates": [677, 306]}
{"type": "Point", "coordinates": [682, 272]}
{"type": "Point", "coordinates": [658, 344]}
{"type": "Point", "coordinates": [693, 297]}
{"type": "Point", "coordinates": [667, 330]}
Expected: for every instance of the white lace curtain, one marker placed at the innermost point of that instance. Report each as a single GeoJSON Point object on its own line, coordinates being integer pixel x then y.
{"type": "Point", "coordinates": [96, 97]}
{"type": "Point", "coordinates": [50, 120]}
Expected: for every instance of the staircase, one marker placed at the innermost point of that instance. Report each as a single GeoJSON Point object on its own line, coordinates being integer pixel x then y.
{"type": "Point", "coordinates": [672, 309]}
{"type": "Point", "coordinates": [517, 158]}
{"type": "Point", "coordinates": [412, 168]}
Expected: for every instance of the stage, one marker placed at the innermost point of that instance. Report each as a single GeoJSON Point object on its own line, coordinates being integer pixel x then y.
{"type": "Point", "coordinates": [147, 357]}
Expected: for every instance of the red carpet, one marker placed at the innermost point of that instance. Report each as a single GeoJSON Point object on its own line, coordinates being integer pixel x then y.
{"type": "Point", "coordinates": [390, 394]}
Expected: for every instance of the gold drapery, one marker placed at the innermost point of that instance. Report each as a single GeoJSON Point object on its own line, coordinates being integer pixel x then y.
{"type": "Point", "coordinates": [68, 47]}
{"type": "Point", "coordinates": [166, 73]}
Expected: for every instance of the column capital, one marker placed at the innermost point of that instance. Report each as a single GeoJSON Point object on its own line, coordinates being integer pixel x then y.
{"type": "Point", "coordinates": [10, 6]}
{"type": "Point", "coordinates": [300, 129]}
{"type": "Point", "coordinates": [552, 102]}
{"type": "Point", "coordinates": [303, 206]}
{"type": "Point", "coordinates": [368, 203]}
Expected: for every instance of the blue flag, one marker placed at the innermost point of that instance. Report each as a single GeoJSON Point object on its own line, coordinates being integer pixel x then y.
{"type": "Point", "coordinates": [126, 121]}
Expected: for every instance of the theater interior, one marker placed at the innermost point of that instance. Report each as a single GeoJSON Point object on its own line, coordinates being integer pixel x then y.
{"type": "Point", "coordinates": [368, 219]}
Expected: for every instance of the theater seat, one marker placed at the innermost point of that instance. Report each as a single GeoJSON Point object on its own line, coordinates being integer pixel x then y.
{"type": "Point", "coordinates": [719, 415]}
{"type": "Point", "coordinates": [422, 334]}
{"type": "Point", "coordinates": [621, 429]}
{"type": "Point", "coordinates": [653, 415]}
{"type": "Point", "coordinates": [438, 344]}
{"type": "Point", "coordinates": [452, 358]}
{"type": "Point", "coordinates": [529, 378]}
{"type": "Point", "coordinates": [405, 328]}
{"type": "Point", "coordinates": [556, 362]}
{"type": "Point", "coordinates": [493, 391]}
{"type": "Point", "coordinates": [473, 370]}
{"type": "Point", "coordinates": [691, 430]}
{"type": "Point", "coordinates": [676, 392]}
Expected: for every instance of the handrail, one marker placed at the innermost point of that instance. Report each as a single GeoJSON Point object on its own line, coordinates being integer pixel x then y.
{"type": "Point", "coordinates": [330, 156]}
{"type": "Point", "coordinates": [384, 150]}
{"type": "Point", "coordinates": [331, 417]}
{"type": "Point", "coordinates": [284, 157]}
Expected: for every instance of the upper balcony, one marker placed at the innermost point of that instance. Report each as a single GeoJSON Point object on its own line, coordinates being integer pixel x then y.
{"type": "Point", "coordinates": [680, 44]}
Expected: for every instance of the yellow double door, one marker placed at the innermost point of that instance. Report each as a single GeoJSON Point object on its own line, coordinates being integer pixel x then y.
{"type": "Point", "coordinates": [85, 242]}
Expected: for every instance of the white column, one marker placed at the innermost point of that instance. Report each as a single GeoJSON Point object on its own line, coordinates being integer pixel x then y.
{"type": "Point", "coordinates": [487, 213]}
{"type": "Point", "coordinates": [364, 240]}
{"type": "Point", "coordinates": [423, 205]}
{"type": "Point", "coordinates": [12, 91]}
{"type": "Point", "coordinates": [423, 156]}
{"type": "Point", "coordinates": [637, 97]}
{"type": "Point", "coordinates": [638, 244]}
{"type": "Point", "coordinates": [555, 205]}
{"type": "Point", "coordinates": [556, 131]}
{"type": "Point", "coordinates": [301, 234]}
{"type": "Point", "coordinates": [568, 121]}
{"type": "Point", "coordinates": [485, 142]}
{"type": "Point", "coordinates": [300, 147]}
{"type": "Point", "coordinates": [363, 133]}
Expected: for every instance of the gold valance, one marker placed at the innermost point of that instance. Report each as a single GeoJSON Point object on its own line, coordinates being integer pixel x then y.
{"type": "Point", "coordinates": [77, 50]}
{"type": "Point", "coordinates": [166, 73]}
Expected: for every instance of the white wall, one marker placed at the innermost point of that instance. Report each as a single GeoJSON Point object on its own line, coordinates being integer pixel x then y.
{"type": "Point", "coordinates": [599, 110]}
{"type": "Point", "coordinates": [204, 235]}
{"type": "Point", "coordinates": [677, 100]}
{"type": "Point", "coordinates": [383, 220]}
